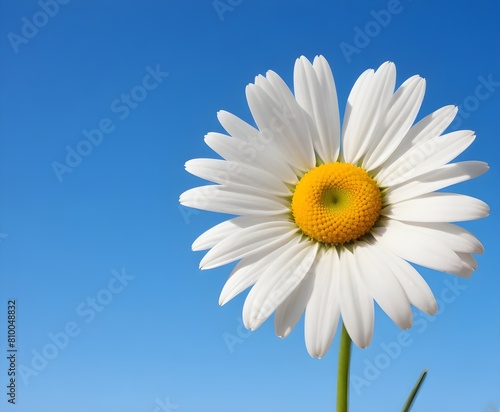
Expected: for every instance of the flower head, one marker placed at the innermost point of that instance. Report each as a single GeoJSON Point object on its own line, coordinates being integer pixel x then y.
{"type": "Point", "coordinates": [330, 216]}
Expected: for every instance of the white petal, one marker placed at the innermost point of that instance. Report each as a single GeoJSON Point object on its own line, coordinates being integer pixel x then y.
{"type": "Point", "coordinates": [227, 228]}
{"type": "Point", "coordinates": [440, 178]}
{"type": "Point", "coordinates": [455, 237]}
{"type": "Point", "coordinates": [417, 247]}
{"type": "Point", "coordinates": [366, 104]}
{"type": "Point", "coordinates": [401, 113]}
{"type": "Point", "coordinates": [259, 152]}
{"type": "Point", "coordinates": [426, 156]}
{"type": "Point", "coordinates": [227, 147]}
{"type": "Point", "coordinates": [429, 127]}
{"type": "Point", "coordinates": [242, 277]}
{"type": "Point", "coordinates": [235, 200]}
{"type": "Point", "coordinates": [250, 269]}
{"type": "Point", "coordinates": [237, 127]}
{"type": "Point", "coordinates": [416, 288]}
{"type": "Point", "coordinates": [438, 207]}
{"type": "Point", "coordinates": [469, 264]}
{"type": "Point", "coordinates": [382, 284]}
{"type": "Point", "coordinates": [282, 121]}
{"type": "Point", "coordinates": [215, 234]}
{"type": "Point", "coordinates": [356, 304]}
{"type": "Point", "coordinates": [290, 311]}
{"type": "Point", "coordinates": [268, 88]}
{"type": "Point", "coordinates": [323, 308]}
{"type": "Point", "coordinates": [248, 241]}
{"type": "Point", "coordinates": [362, 83]}
{"type": "Point", "coordinates": [316, 94]}
{"type": "Point", "coordinates": [279, 279]}
{"type": "Point", "coordinates": [229, 172]}
{"type": "Point", "coordinates": [325, 76]}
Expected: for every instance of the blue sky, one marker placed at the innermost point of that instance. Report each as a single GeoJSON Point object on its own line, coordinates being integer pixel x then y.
{"type": "Point", "coordinates": [112, 310]}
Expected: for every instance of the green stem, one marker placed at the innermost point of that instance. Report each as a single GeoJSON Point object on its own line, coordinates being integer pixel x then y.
{"type": "Point", "coordinates": [343, 373]}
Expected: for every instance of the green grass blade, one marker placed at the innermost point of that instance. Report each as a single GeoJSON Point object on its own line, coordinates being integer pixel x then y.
{"type": "Point", "coordinates": [414, 392]}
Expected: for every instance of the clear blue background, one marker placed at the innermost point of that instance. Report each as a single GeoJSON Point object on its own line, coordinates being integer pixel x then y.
{"type": "Point", "coordinates": [163, 339]}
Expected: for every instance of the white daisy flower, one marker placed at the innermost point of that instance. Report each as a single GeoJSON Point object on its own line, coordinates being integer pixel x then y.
{"type": "Point", "coordinates": [330, 216]}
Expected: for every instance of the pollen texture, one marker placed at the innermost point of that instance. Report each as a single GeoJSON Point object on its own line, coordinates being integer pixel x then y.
{"type": "Point", "coordinates": [336, 203]}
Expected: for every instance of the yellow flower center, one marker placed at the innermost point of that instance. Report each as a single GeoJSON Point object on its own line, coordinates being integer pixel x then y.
{"type": "Point", "coordinates": [336, 203]}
